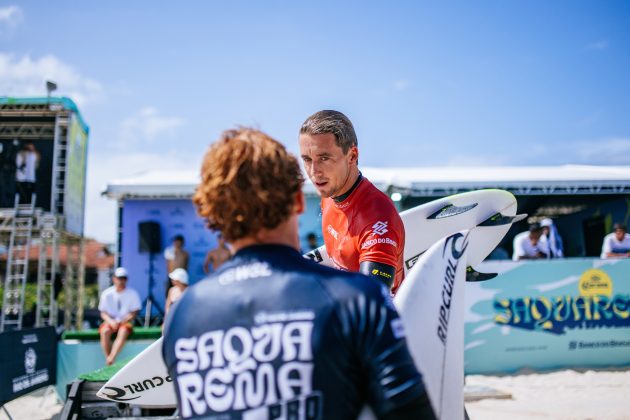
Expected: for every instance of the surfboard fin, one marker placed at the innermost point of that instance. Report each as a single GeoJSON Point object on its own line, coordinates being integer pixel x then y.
{"type": "Point", "coordinates": [499, 219]}
{"type": "Point", "coordinates": [474, 275]}
{"type": "Point", "coordinates": [451, 210]}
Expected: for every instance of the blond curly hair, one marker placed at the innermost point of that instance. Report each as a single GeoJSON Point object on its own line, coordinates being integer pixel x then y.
{"type": "Point", "coordinates": [248, 183]}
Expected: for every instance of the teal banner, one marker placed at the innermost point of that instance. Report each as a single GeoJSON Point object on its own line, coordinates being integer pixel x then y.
{"type": "Point", "coordinates": [552, 314]}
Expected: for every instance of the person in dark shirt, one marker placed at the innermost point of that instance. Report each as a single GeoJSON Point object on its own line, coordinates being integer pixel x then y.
{"type": "Point", "coordinates": [272, 334]}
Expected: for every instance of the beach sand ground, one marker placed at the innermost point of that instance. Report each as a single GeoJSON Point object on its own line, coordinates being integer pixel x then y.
{"type": "Point", "coordinates": [560, 395]}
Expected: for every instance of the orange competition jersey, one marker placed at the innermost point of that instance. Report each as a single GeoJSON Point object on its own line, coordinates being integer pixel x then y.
{"type": "Point", "coordinates": [365, 226]}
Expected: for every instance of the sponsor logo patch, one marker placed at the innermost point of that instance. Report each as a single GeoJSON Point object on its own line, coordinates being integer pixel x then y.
{"type": "Point", "coordinates": [218, 371]}
{"type": "Point", "coordinates": [380, 228]}
{"type": "Point", "coordinates": [371, 242]}
{"type": "Point", "coordinates": [131, 391]}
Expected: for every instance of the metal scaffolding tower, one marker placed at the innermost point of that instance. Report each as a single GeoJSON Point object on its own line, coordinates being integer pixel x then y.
{"type": "Point", "coordinates": [43, 225]}
{"type": "Point", "coordinates": [17, 265]}
{"type": "Point", "coordinates": [48, 262]}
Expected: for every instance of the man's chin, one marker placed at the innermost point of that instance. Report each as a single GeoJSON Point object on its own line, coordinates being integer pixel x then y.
{"type": "Point", "coordinates": [323, 193]}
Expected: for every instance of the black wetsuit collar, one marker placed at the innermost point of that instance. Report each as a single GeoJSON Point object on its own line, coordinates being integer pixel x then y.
{"type": "Point", "coordinates": [342, 197]}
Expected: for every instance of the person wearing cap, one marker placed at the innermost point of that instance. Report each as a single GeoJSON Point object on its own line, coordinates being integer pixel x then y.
{"type": "Point", "coordinates": [617, 243]}
{"type": "Point", "coordinates": [118, 305]}
{"type": "Point", "coordinates": [528, 246]}
{"type": "Point", "coordinates": [553, 239]}
{"type": "Point", "coordinates": [176, 257]}
{"type": "Point", "coordinates": [179, 278]}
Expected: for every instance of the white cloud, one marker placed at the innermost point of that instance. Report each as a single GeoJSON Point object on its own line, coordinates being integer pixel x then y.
{"type": "Point", "coordinates": [612, 151]}
{"type": "Point", "coordinates": [100, 214]}
{"type": "Point", "coordinates": [597, 45]}
{"type": "Point", "coordinates": [10, 18]}
{"type": "Point", "coordinates": [477, 160]}
{"type": "Point", "coordinates": [148, 125]}
{"type": "Point", "coordinates": [25, 76]}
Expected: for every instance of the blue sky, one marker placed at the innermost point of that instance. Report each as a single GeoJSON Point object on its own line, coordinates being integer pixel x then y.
{"type": "Point", "coordinates": [426, 84]}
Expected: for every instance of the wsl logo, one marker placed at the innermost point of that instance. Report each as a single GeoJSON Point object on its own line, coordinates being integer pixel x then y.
{"type": "Point", "coordinates": [595, 307]}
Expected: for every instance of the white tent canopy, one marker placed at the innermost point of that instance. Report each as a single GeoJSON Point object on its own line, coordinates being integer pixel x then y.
{"type": "Point", "coordinates": [428, 181]}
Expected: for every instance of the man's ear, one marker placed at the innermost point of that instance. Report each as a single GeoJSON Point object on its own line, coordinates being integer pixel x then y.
{"type": "Point", "coordinates": [300, 202]}
{"type": "Point", "coordinates": [353, 155]}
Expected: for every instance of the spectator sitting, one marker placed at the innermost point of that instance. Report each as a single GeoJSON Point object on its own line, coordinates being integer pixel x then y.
{"type": "Point", "coordinates": [119, 305]}
{"type": "Point", "coordinates": [552, 238]}
{"type": "Point", "coordinates": [528, 246]}
{"type": "Point", "coordinates": [616, 244]}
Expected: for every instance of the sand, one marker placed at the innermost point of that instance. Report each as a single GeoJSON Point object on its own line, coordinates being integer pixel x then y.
{"type": "Point", "coordinates": [41, 404]}
{"type": "Point", "coordinates": [566, 394]}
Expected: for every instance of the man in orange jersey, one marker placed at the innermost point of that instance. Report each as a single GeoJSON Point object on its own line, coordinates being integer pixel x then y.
{"type": "Point", "coordinates": [361, 227]}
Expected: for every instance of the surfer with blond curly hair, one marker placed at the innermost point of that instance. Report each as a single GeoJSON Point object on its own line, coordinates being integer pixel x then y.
{"type": "Point", "coordinates": [272, 334]}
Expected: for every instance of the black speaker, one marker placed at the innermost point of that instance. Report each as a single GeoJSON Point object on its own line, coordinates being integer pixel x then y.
{"type": "Point", "coordinates": [149, 239]}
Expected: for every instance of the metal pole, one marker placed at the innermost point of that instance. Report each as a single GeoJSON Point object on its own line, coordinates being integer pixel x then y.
{"type": "Point", "coordinates": [7, 412]}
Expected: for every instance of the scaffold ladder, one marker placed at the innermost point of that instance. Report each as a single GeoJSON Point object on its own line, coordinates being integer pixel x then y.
{"type": "Point", "coordinates": [17, 265]}
{"type": "Point", "coordinates": [60, 163]}
{"type": "Point", "coordinates": [46, 314]}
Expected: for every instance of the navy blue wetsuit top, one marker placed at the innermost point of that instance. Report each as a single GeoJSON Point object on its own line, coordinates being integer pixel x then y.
{"type": "Point", "coordinates": [274, 335]}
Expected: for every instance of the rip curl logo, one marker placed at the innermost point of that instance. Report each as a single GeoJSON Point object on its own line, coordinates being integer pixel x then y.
{"type": "Point", "coordinates": [315, 255]}
{"type": "Point", "coordinates": [379, 228]}
{"type": "Point", "coordinates": [129, 391]}
{"type": "Point", "coordinates": [452, 252]}
{"type": "Point", "coordinates": [267, 367]}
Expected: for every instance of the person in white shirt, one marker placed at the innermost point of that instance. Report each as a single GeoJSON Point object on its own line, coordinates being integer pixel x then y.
{"type": "Point", "coordinates": [27, 161]}
{"type": "Point", "coordinates": [617, 244]}
{"type": "Point", "coordinates": [119, 305]}
{"type": "Point", "coordinates": [528, 246]}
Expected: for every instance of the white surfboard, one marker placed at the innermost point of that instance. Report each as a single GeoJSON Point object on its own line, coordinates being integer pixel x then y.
{"type": "Point", "coordinates": [435, 327]}
{"type": "Point", "coordinates": [145, 381]}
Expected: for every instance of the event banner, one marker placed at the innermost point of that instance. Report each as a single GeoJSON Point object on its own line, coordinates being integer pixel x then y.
{"type": "Point", "coordinates": [74, 198]}
{"type": "Point", "coordinates": [552, 314]}
{"type": "Point", "coordinates": [28, 361]}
